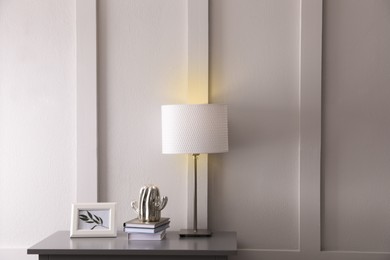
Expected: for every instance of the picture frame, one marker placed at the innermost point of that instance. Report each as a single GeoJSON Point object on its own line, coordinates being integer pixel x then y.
{"type": "Point", "coordinates": [93, 220]}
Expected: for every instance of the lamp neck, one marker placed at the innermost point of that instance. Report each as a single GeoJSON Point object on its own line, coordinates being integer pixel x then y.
{"type": "Point", "coordinates": [195, 227]}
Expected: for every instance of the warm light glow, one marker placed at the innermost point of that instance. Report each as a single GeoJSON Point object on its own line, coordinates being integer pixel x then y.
{"type": "Point", "coordinates": [198, 91]}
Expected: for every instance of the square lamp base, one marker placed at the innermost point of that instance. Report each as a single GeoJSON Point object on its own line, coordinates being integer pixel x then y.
{"type": "Point", "coordinates": [193, 233]}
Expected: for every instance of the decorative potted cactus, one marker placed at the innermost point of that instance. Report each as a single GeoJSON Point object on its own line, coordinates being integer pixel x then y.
{"type": "Point", "coordinates": [150, 204]}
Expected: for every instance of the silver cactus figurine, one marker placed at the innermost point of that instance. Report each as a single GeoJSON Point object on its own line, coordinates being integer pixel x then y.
{"type": "Point", "coordinates": [149, 205]}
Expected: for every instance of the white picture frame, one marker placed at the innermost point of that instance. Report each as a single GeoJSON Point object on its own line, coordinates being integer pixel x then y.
{"type": "Point", "coordinates": [93, 220]}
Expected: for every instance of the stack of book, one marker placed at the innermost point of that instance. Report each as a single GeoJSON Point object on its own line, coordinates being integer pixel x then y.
{"type": "Point", "coordinates": [138, 230]}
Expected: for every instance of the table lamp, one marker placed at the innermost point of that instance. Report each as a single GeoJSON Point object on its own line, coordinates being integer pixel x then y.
{"type": "Point", "coordinates": [194, 129]}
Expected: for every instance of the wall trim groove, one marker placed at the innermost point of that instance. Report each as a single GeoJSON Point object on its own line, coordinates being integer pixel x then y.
{"type": "Point", "coordinates": [86, 111]}
{"type": "Point", "coordinates": [310, 124]}
{"type": "Point", "coordinates": [198, 93]}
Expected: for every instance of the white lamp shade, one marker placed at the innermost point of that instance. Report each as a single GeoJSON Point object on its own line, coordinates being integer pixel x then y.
{"type": "Point", "coordinates": [193, 129]}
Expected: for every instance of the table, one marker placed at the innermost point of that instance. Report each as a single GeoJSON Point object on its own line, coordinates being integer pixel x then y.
{"type": "Point", "coordinates": [59, 246]}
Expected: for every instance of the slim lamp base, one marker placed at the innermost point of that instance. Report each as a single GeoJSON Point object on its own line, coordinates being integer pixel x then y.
{"type": "Point", "coordinates": [193, 233]}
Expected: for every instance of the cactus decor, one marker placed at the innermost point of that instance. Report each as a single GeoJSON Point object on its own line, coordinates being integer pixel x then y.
{"type": "Point", "coordinates": [149, 205]}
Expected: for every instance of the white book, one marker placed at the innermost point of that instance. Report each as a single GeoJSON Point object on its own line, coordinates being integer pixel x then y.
{"type": "Point", "coordinates": [139, 224]}
{"type": "Point", "coordinates": [145, 236]}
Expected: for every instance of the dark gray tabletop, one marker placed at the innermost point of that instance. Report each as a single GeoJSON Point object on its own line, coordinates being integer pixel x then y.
{"type": "Point", "coordinates": [220, 243]}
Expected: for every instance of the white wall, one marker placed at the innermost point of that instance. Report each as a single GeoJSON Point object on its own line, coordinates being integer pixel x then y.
{"type": "Point", "coordinates": [37, 120]}
{"type": "Point", "coordinates": [142, 64]}
{"type": "Point", "coordinates": [254, 188]}
{"type": "Point", "coordinates": [356, 143]}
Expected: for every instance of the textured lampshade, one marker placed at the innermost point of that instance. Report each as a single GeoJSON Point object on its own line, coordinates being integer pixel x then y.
{"type": "Point", "coordinates": [193, 129]}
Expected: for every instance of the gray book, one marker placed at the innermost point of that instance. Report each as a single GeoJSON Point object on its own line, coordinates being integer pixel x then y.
{"type": "Point", "coordinates": [143, 236]}
{"type": "Point", "coordinates": [146, 230]}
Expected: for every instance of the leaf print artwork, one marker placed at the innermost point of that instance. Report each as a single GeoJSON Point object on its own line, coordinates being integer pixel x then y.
{"type": "Point", "coordinates": [92, 219]}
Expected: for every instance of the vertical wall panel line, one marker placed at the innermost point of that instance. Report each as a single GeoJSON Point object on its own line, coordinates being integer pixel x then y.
{"type": "Point", "coordinates": [86, 132]}
{"type": "Point", "coordinates": [310, 125]}
{"type": "Point", "coordinates": [198, 93]}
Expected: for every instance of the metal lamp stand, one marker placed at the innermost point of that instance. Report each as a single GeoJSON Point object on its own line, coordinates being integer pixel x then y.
{"type": "Point", "coordinates": [195, 232]}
